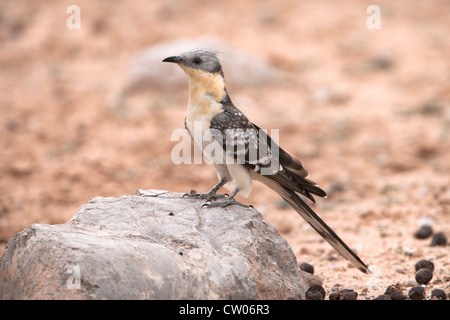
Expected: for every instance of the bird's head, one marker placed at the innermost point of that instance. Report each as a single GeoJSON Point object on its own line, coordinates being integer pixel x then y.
{"type": "Point", "coordinates": [205, 60]}
{"type": "Point", "coordinates": [203, 69]}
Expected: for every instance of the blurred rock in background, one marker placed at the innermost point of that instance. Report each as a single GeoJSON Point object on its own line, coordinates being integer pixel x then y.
{"type": "Point", "coordinates": [240, 68]}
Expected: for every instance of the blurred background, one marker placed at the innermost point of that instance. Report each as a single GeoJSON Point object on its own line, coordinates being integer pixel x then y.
{"type": "Point", "coordinates": [89, 112]}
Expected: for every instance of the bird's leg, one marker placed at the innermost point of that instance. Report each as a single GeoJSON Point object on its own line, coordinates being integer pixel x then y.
{"type": "Point", "coordinates": [211, 194]}
{"type": "Point", "coordinates": [227, 202]}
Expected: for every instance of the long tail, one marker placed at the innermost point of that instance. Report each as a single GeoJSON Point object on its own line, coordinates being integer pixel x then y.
{"type": "Point", "coordinates": [323, 229]}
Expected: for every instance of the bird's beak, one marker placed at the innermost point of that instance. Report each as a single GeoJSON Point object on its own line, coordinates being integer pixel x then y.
{"type": "Point", "coordinates": [174, 59]}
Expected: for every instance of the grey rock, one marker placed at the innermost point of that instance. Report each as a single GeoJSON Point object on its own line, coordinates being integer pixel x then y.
{"type": "Point", "coordinates": [152, 245]}
{"type": "Point", "coordinates": [147, 71]}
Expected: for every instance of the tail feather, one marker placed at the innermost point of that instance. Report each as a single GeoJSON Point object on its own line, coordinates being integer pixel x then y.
{"type": "Point", "coordinates": [291, 181]}
{"type": "Point", "coordinates": [323, 229]}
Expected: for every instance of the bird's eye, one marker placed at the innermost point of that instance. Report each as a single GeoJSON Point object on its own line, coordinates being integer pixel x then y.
{"type": "Point", "coordinates": [197, 60]}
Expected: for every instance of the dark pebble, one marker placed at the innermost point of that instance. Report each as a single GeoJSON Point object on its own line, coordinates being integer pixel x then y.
{"type": "Point", "coordinates": [381, 63]}
{"type": "Point", "coordinates": [344, 294]}
{"type": "Point", "coordinates": [417, 293]}
{"type": "Point", "coordinates": [423, 276]}
{"type": "Point", "coordinates": [424, 264]}
{"type": "Point", "coordinates": [439, 239]}
{"type": "Point", "coordinates": [314, 295]}
{"type": "Point", "coordinates": [397, 296]}
{"type": "Point", "coordinates": [315, 292]}
{"type": "Point", "coordinates": [336, 295]}
{"type": "Point", "coordinates": [395, 292]}
{"type": "Point", "coordinates": [307, 267]}
{"type": "Point", "coordinates": [383, 297]}
{"type": "Point", "coordinates": [424, 232]}
{"type": "Point", "coordinates": [349, 294]}
{"type": "Point", "coordinates": [438, 294]}
{"type": "Point", "coordinates": [431, 107]}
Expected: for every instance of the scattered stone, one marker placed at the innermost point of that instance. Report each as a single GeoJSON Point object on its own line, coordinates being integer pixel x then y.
{"type": "Point", "coordinates": [335, 295]}
{"type": "Point", "coordinates": [344, 294]}
{"type": "Point", "coordinates": [408, 283]}
{"type": "Point", "coordinates": [423, 276]}
{"type": "Point", "coordinates": [424, 264]}
{"type": "Point", "coordinates": [315, 293]}
{"type": "Point", "coordinates": [325, 95]}
{"type": "Point", "coordinates": [397, 296]}
{"type": "Point", "coordinates": [438, 294]}
{"type": "Point", "coordinates": [304, 266]}
{"type": "Point", "coordinates": [412, 251]}
{"type": "Point", "coordinates": [426, 221]}
{"type": "Point", "coordinates": [401, 271]}
{"type": "Point", "coordinates": [439, 239]}
{"type": "Point", "coordinates": [417, 293]}
{"type": "Point", "coordinates": [348, 294]}
{"type": "Point", "coordinates": [395, 292]}
{"type": "Point", "coordinates": [431, 107]}
{"type": "Point", "coordinates": [333, 256]}
{"type": "Point", "coordinates": [424, 232]}
{"type": "Point", "coordinates": [381, 62]}
{"type": "Point", "coordinates": [383, 297]}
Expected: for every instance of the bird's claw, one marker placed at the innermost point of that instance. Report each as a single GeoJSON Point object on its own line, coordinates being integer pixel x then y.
{"type": "Point", "coordinates": [226, 203]}
{"type": "Point", "coordinates": [207, 196]}
{"type": "Point", "coordinates": [206, 204]}
{"type": "Point", "coordinates": [190, 194]}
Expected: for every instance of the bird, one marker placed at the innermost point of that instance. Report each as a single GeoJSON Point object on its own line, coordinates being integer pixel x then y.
{"type": "Point", "coordinates": [252, 155]}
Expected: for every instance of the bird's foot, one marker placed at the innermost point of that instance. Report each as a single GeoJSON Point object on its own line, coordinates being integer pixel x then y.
{"type": "Point", "coordinates": [226, 203]}
{"type": "Point", "coordinates": [209, 196]}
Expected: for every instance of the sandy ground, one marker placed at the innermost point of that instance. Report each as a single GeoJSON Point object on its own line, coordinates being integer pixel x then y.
{"type": "Point", "coordinates": [367, 111]}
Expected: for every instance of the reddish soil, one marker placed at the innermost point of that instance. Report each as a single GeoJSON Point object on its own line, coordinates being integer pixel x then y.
{"type": "Point", "coordinates": [367, 111]}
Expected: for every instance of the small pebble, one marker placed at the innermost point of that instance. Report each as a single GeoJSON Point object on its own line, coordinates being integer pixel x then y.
{"type": "Point", "coordinates": [397, 296]}
{"type": "Point", "coordinates": [439, 239]}
{"type": "Point", "coordinates": [424, 264]}
{"type": "Point", "coordinates": [336, 295]}
{"type": "Point", "coordinates": [383, 297]}
{"type": "Point", "coordinates": [401, 271]}
{"type": "Point", "coordinates": [349, 294]}
{"type": "Point", "coordinates": [344, 294]}
{"type": "Point", "coordinates": [417, 293]}
{"type": "Point", "coordinates": [438, 294]}
{"type": "Point", "coordinates": [423, 276]}
{"type": "Point", "coordinates": [395, 292]}
{"type": "Point", "coordinates": [315, 293]}
{"type": "Point", "coordinates": [424, 232]}
{"type": "Point", "coordinates": [380, 63]}
{"type": "Point", "coordinates": [307, 267]}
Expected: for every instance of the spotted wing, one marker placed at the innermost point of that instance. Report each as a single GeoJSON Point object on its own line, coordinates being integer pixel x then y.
{"type": "Point", "coordinates": [249, 145]}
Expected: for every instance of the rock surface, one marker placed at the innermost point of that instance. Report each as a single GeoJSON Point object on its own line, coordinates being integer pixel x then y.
{"type": "Point", "coordinates": [241, 68]}
{"type": "Point", "coordinates": [152, 245]}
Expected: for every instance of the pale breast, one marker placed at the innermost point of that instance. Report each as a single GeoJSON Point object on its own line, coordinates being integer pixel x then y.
{"type": "Point", "coordinates": [199, 115]}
